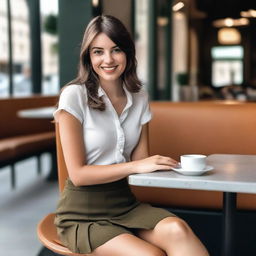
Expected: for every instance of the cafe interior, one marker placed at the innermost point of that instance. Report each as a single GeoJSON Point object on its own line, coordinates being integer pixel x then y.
{"type": "Point", "coordinates": [197, 61]}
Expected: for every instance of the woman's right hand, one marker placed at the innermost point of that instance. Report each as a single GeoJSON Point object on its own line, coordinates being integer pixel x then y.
{"type": "Point", "coordinates": [154, 163]}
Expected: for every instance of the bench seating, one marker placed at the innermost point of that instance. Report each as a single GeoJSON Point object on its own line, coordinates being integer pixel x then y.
{"type": "Point", "coordinates": [21, 138]}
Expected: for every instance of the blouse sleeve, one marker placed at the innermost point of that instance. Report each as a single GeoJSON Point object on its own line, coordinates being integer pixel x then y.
{"type": "Point", "coordinates": [147, 114]}
{"type": "Point", "coordinates": [71, 100]}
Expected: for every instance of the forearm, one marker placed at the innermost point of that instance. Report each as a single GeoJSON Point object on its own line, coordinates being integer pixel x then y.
{"type": "Point", "coordinates": [99, 174]}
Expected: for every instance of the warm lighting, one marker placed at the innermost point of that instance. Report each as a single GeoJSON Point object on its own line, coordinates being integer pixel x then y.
{"type": "Point", "coordinates": [95, 3]}
{"type": "Point", "coordinates": [243, 21]}
{"type": "Point", "coordinates": [248, 14]}
{"type": "Point", "coordinates": [179, 16]}
{"type": "Point", "coordinates": [162, 21]}
{"type": "Point", "coordinates": [178, 6]}
{"type": "Point", "coordinates": [229, 36]}
{"type": "Point", "coordinates": [252, 13]}
{"type": "Point", "coordinates": [230, 102]}
{"type": "Point", "coordinates": [228, 22]}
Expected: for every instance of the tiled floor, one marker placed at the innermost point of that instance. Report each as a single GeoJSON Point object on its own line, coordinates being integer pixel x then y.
{"type": "Point", "coordinates": [21, 209]}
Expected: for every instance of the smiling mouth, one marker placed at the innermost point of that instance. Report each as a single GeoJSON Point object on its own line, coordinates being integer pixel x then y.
{"type": "Point", "coordinates": [109, 68]}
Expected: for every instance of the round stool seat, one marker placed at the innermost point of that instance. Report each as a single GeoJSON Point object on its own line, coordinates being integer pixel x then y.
{"type": "Point", "coordinates": [47, 234]}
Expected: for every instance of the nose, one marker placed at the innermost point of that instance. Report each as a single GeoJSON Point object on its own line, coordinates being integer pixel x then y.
{"type": "Point", "coordinates": [108, 58]}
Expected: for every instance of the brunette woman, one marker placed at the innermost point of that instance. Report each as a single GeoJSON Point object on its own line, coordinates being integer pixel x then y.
{"type": "Point", "coordinates": [103, 117]}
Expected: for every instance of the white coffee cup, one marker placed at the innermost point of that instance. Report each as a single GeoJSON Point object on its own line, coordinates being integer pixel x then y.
{"type": "Point", "coordinates": [193, 162]}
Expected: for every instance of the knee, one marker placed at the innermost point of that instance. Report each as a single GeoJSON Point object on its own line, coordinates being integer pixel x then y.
{"type": "Point", "coordinates": [155, 252]}
{"type": "Point", "coordinates": [176, 228]}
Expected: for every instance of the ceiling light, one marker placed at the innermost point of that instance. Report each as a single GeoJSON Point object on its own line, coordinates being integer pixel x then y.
{"type": "Point", "coordinates": [228, 22]}
{"type": "Point", "coordinates": [248, 14]}
{"type": "Point", "coordinates": [162, 21]}
{"type": "Point", "coordinates": [178, 6]}
{"type": "Point", "coordinates": [252, 13]}
{"type": "Point", "coordinates": [243, 21]}
{"type": "Point", "coordinates": [95, 3]}
{"type": "Point", "coordinates": [229, 36]}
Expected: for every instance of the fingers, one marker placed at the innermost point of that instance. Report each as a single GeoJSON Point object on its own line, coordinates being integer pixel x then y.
{"type": "Point", "coordinates": [163, 160]}
{"type": "Point", "coordinates": [163, 167]}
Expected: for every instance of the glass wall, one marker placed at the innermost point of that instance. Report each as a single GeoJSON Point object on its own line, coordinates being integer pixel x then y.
{"type": "Point", "coordinates": [19, 53]}
{"type": "Point", "coordinates": [20, 48]}
{"type": "Point", "coordinates": [141, 39]}
{"type": "Point", "coordinates": [49, 37]}
{"type": "Point", "coordinates": [15, 43]}
{"type": "Point", "coordinates": [4, 80]}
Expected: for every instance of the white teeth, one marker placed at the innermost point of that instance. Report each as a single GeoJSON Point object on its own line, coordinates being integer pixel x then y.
{"type": "Point", "coordinates": [111, 68]}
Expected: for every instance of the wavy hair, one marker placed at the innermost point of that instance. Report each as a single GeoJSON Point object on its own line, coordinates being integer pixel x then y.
{"type": "Point", "coordinates": [117, 32]}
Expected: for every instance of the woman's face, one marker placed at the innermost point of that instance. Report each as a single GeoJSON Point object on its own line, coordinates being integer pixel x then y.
{"type": "Point", "coordinates": [107, 59]}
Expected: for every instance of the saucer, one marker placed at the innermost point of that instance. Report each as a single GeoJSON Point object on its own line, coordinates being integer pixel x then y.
{"type": "Point", "coordinates": [193, 173]}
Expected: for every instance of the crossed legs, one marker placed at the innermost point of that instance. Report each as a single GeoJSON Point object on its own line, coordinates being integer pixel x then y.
{"type": "Point", "coordinates": [170, 237]}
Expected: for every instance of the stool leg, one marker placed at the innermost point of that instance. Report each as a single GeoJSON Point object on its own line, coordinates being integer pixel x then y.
{"type": "Point", "coordinates": [39, 164]}
{"type": "Point", "coordinates": [13, 179]}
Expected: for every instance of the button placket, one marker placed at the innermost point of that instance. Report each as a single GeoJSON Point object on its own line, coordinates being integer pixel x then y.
{"type": "Point", "coordinates": [119, 130]}
{"type": "Point", "coordinates": [120, 141]}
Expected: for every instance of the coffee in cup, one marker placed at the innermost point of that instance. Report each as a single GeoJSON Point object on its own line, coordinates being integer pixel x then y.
{"type": "Point", "coordinates": [193, 162]}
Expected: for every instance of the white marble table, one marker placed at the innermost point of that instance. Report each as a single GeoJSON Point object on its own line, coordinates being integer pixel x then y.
{"type": "Point", "coordinates": [43, 112]}
{"type": "Point", "coordinates": [232, 174]}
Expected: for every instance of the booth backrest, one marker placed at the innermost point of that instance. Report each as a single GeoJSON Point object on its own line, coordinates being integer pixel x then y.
{"type": "Point", "coordinates": [62, 168]}
{"type": "Point", "coordinates": [12, 125]}
{"type": "Point", "coordinates": [202, 127]}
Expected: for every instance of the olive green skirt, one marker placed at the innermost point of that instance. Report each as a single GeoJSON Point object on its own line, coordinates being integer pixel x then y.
{"type": "Point", "coordinates": [89, 216]}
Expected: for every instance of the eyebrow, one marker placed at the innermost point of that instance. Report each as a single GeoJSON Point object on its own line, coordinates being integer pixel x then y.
{"type": "Point", "coordinates": [95, 47]}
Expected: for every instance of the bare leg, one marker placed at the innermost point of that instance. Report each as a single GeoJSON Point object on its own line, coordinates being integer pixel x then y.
{"type": "Point", "coordinates": [127, 245]}
{"type": "Point", "coordinates": [175, 237]}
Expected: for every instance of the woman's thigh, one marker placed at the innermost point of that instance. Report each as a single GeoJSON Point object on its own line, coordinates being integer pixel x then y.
{"type": "Point", "coordinates": [127, 245]}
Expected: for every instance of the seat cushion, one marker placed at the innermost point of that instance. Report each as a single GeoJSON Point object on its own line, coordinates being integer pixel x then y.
{"type": "Point", "coordinates": [19, 146]}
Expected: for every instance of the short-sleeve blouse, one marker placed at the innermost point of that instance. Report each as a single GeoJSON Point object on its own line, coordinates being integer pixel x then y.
{"type": "Point", "coordinates": [108, 138]}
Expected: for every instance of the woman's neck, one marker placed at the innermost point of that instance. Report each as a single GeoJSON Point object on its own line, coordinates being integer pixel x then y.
{"type": "Point", "coordinates": [113, 89]}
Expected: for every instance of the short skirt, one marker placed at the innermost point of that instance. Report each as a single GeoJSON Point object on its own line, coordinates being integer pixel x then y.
{"type": "Point", "coordinates": [89, 216]}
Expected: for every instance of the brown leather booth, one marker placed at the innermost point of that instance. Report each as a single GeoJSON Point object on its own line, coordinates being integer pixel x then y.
{"type": "Point", "coordinates": [22, 137]}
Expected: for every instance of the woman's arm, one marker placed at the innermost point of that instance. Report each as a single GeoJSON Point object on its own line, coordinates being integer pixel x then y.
{"type": "Point", "coordinates": [142, 149]}
{"type": "Point", "coordinates": [72, 141]}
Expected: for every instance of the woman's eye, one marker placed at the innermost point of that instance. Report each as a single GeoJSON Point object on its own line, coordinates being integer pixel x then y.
{"type": "Point", "coordinates": [97, 52]}
{"type": "Point", "coordinates": [117, 50]}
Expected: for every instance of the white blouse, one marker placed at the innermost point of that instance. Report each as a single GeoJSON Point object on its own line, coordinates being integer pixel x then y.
{"type": "Point", "coordinates": [108, 138]}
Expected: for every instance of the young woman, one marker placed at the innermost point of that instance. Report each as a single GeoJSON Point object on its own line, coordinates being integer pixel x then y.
{"type": "Point", "coordinates": [103, 116]}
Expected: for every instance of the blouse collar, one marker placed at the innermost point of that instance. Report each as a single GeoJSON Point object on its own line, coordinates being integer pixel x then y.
{"type": "Point", "coordinates": [101, 92]}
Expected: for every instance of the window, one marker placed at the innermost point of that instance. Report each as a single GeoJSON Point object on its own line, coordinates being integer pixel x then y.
{"type": "Point", "coordinates": [227, 65]}
{"type": "Point", "coordinates": [50, 77]}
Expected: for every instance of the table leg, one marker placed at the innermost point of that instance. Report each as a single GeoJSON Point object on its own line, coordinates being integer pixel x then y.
{"type": "Point", "coordinates": [53, 174]}
{"type": "Point", "coordinates": [229, 215]}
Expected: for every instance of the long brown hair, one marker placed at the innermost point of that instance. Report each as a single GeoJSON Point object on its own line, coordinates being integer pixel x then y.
{"type": "Point", "coordinates": [117, 32]}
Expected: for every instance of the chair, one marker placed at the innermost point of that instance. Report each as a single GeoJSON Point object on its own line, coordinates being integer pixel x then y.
{"type": "Point", "coordinates": [46, 229]}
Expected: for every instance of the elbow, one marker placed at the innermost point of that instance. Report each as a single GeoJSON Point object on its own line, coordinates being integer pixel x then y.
{"type": "Point", "coordinates": [76, 182]}
{"type": "Point", "coordinates": [75, 179]}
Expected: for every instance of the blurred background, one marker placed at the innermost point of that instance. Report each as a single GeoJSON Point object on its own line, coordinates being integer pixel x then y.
{"type": "Point", "coordinates": [187, 50]}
